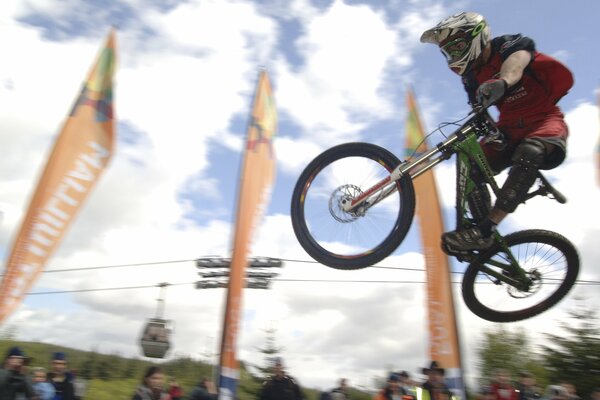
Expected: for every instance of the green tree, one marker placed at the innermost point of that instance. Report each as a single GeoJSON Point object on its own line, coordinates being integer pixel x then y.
{"type": "Point", "coordinates": [501, 348]}
{"type": "Point", "coordinates": [251, 382]}
{"type": "Point", "coordinates": [115, 364]}
{"type": "Point", "coordinates": [574, 355]}
{"type": "Point", "coordinates": [88, 366]}
{"type": "Point", "coordinates": [130, 369]}
{"type": "Point", "coordinates": [103, 369]}
{"type": "Point", "coordinates": [87, 369]}
{"type": "Point", "coordinates": [269, 352]}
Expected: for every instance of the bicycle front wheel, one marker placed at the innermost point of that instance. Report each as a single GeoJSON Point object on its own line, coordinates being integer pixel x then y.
{"type": "Point", "coordinates": [550, 262]}
{"type": "Point", "coordinates": [350, 240]}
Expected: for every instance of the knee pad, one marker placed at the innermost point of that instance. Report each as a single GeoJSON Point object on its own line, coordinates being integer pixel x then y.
{"type": "Point", "coordinates": [515, 189]}
{"type": "Point", "coordinates": [529, 153]}
{"type": "Point", "coordinates": [527, 158]}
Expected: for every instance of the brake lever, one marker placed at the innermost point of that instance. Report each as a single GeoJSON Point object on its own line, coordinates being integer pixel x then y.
{"type": "Point", "coordinates": [477, 108]}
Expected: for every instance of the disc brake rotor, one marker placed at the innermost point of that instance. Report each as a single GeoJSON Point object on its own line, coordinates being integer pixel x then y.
{"type": "Point", "coordinates": [341, 196]}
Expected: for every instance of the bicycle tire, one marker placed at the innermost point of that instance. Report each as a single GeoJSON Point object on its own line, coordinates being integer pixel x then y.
{"type": "Point", "coordinates": [384, 159]}
{"type": "Point", "coordinates": [550, 242]}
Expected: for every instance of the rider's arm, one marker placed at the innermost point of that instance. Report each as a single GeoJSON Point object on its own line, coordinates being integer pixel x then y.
{"type": "Point", "coordinates": [512, 68]}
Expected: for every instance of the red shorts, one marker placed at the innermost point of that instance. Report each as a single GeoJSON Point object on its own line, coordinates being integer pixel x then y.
{"type": "Point", "coordinates": [549, 128]}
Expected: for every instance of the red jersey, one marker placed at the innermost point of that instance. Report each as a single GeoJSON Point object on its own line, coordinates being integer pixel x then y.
{"type": "Point", "coordinates": [504, 392]}
{"type": "Point", "coordinates": [545, 80]}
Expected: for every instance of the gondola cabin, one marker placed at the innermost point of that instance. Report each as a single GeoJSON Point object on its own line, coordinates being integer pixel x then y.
{"type": "Point", "coordinates": [155, 340]}
{"type": "Point", "coordinates": [156, 335]}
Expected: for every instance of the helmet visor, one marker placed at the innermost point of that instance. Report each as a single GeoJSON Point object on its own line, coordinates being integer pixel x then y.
{"type": "Point", "coordinates": [455, 49]}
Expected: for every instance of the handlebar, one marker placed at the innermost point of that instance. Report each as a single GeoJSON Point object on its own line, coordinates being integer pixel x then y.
{"type": "Point", "coordinates": [491, 132]}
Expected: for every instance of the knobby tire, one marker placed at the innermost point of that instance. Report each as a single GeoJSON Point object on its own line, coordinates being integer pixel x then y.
{"type": "Point", "coordinates": [400, 228]}
{"type": "Point", "coordinates": [534, 237]}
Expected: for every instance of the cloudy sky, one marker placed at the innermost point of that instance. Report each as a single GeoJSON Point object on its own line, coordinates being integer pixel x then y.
{"type": "Point", "coordinates": [185, 79]}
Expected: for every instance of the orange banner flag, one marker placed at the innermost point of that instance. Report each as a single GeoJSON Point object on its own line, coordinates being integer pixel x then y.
{"type": "Point", "coordinates": [81, 152]}
{"type": "Point", "coordinates": [443, 331]}
{"type": "Point", "coordinates": [256, 178]}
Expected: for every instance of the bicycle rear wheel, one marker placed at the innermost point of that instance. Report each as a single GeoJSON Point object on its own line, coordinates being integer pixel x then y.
{"type": "Point", "coordinates": [350, 240]}
{"type": "Point", "coordinates": [551, 263]}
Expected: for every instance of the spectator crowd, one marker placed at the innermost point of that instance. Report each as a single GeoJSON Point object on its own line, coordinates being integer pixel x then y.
{"type": "Point", "coordinates": [21, 381]}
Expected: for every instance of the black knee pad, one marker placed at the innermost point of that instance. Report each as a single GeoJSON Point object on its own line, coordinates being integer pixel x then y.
{"type": "Point", "coordinates": [528, 157]}
{"type": "Point", "coordinates": [529, 153]}
{"type": "Point", "coordinates": [515, 189]}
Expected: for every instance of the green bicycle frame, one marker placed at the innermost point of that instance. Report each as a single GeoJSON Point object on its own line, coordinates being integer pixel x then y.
{"type": "Point", "coordinates": [464, 143]}
{"type": "Point", "coordinates": [470, 156]}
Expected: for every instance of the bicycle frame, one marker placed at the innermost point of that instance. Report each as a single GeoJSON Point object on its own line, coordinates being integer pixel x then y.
{"type": "Point", "coordinates": [463, 142]}
{"type": "Point", "coordinates": [470, 156]}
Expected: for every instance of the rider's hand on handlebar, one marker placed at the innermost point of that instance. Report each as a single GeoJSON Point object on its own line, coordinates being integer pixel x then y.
{"type": "Point", "coordinates": [491, 91]}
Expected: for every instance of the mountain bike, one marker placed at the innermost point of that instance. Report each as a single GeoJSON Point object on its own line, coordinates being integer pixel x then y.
{"type": "Point", "coordinates": [353, 205]}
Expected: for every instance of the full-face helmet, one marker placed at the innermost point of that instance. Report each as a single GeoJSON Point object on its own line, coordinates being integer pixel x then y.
{"type": "Point", "coordinates": [461, 38]}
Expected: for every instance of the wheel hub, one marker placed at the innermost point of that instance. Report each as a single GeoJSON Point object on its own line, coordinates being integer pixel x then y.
{"type": "Point", "coordinates": [533, 286]}
{"type": "Point", "coordinates": [340, 198]}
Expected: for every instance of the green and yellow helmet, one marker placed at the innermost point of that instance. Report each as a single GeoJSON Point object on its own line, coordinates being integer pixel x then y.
{"type": "Point", "coordinates": [461, 38]}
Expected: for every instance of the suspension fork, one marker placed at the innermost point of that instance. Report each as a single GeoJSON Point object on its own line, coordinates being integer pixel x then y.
{"type": "Point", "coordinates": [413, 169]}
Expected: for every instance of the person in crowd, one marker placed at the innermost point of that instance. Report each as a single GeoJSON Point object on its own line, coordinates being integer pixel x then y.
{"type": "Point", "coordinates": [175, 390]}
{"type": "Point", "coordinates": [151, 387]}
{"type": "Point", "coordinates": [526, 388]}
{"type": "Point", "coordinates": [325, 395]}
{"type": "Point", "coordinates": [434, 387]}
{"type": "Point", "coordinates": [485, 393]}
{"type": "Point", "coordinates": [41, 386]}
{"type": "Point", "coordinates": [392, 389]}
{"type": "Point", "coordinates": [341, 392]}
{"type": "Point", "coordinates": [595, 395]}
{"type": "Point", "coordinates": [502, 387]}
{"type": "Point", "coordinates": [525, 85]}
{"type": "Point", "coordinates": [407, 385]}
{"type": "Point", "coordinates": [555, 392]}
{"type": "Point", "coordinates": [14, 383]}
{"type": "Point", "coordinates": [571, 390]}
{"type": "Point", "coordinates": [79, 385]}
{"type": "Point", "coordinates": [280, 386]}
{"type": "Point", "coordinates": [205, 390]}
{"type": "Point", "coordinates": [61, 378]}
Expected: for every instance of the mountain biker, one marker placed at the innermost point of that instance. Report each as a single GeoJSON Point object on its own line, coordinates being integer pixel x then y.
{"type": "Point", "coordinates": [525, 85]}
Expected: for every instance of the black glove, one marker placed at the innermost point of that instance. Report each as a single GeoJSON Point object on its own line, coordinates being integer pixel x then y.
{"type": "Point", "coordinates": [491, 91]}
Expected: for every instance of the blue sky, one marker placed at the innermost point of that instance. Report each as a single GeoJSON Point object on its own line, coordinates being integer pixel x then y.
{"type": "Point", "coordinates": [185, 80]}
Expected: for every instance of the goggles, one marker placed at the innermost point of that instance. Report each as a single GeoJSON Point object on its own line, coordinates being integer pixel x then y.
{"type": "Point", "coordinates": [455, 49]}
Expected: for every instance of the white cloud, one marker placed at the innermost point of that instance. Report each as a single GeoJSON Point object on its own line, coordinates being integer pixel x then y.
{"type": "Point", "coordinates": [179, 89]}
{"type": "Point", "coordinates": [293, 155]}
{"type": "Point", "coordinates": [338, 89]}
{"type": "Point", "coordinates": [52, 8]}
{"type": "Point", "coordinates": [193, 93]}
{"type": "Point", "coordinates": [179, 103]}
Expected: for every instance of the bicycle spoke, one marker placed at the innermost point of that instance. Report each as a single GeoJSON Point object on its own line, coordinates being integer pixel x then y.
{"type": "Point", "coordinates": [336, 230]}
{"type": "Point", "coordinates": [544, 265]}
